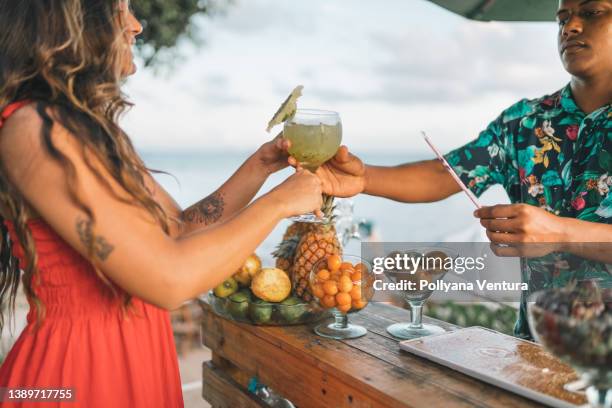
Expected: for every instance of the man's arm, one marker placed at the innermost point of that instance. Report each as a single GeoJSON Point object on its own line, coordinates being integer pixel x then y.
{"type": "Point", "coordinates": [346, 175]}
{"type": "Point", "coordinates": [420, 182]}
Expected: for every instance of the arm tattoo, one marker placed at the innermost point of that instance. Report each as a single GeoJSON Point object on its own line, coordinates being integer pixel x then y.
{"type": "Point", "coordinates": [208, 211]}
{"type": "Point", "coordinates": [102, 249]}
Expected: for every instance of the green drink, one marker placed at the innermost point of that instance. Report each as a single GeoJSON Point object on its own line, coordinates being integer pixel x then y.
{"type": "Point", "coordinates": [315, 136]}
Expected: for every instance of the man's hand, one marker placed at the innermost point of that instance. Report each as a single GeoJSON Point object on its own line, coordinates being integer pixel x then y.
{"type": "Point", "coordinates": [521, 223]}
{"type": "Point", "coordinates": [344, 175]}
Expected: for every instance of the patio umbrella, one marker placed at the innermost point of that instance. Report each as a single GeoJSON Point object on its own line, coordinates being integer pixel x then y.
{"type": "Point", "coordinates": [502, 10]}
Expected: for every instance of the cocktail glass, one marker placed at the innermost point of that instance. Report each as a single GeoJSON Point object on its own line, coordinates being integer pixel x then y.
{"type": "Point", "coordinates": [417, 297]}
{"type": "Point", "coordinates": [360, 293]}
{"type": "Point", "coordinates": [315, 137]}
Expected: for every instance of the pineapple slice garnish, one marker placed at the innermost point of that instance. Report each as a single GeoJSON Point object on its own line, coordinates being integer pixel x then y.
{"type": "Point", "coordinates": [287, 109]}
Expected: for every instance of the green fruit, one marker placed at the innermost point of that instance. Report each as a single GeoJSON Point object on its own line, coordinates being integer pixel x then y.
{"type": "Point", "coordinates": [238, 305]}
{"type": "Point", "coordinates": [260, 312]}
{"type": "Point", "coordinates": [292, 309]}
{"type": "Point", "coordinates": [226, 288]}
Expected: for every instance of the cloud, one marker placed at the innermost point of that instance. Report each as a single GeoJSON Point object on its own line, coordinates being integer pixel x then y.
{"type": "Point", "coordinates": [419, 66]}
{"type": "Point", "coordinates": [251, 17]}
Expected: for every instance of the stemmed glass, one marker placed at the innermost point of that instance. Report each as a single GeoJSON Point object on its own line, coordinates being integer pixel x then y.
{"type": "Point", "coordinates": [315, 137]}
{"type": "Point", "coordinates": [416, 298]}
{"type": "Point", "coordinates": [345, 289]}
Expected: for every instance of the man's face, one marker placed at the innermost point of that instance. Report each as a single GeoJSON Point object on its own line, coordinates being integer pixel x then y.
{"type": "Point", "coordinates": [585, 36]}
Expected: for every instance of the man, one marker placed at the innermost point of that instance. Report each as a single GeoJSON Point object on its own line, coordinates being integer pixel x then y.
{"type": "Point", "coordinates": [553, 155]}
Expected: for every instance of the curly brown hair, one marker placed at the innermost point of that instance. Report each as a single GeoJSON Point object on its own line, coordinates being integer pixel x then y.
{"type": "Point", "coordinates": [67, 57]}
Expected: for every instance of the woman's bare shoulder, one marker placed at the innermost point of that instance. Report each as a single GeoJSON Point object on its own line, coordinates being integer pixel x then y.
{"type": "Point", "coordinates": [20, 128]}
{"type": "Point", "coordinates": [22, 147]}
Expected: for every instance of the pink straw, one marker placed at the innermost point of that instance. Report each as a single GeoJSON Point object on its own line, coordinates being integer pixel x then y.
{"type": "Point", "coordinates": [452, 172]}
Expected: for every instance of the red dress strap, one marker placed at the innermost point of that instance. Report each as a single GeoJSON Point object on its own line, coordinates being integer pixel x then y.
{"type": "Point", "coordinates": [10, 109]}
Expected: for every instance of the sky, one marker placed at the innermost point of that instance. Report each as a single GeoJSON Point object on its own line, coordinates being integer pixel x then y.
{"type": "Point", "coordinates": [390, 68]}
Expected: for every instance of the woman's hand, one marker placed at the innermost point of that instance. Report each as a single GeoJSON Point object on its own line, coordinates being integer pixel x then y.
{"type": "Point", "coordinates": [521, 223]}
{"type": "Point", "coordinates": [272, 156]}
{"type": "Point", "coordinates": [299, 194]}
{"type": "Point", "coordinates": [344, 175]}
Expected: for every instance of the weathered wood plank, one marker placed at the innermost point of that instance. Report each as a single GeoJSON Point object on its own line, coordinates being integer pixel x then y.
{"type": "Point", "coordinates": [221, 391]}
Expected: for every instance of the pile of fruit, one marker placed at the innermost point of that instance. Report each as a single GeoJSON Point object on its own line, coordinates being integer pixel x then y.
{"type": "Point", "coordinates": [342, 285]}
{"type": "Point", "coordinates": [261, 296]}
{"type": "Point", "coordinates": [575, 323]}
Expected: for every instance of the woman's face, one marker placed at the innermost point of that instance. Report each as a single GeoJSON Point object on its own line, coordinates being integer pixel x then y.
{"type": "Point", "coordinates": [132, 28]}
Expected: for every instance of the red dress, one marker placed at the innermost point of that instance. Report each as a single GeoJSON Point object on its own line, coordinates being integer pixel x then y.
{"type": "Point", "coordinates": [85, 341]}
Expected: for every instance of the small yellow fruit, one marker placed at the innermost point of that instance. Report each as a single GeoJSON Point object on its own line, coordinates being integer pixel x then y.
{"type": "Point", "coordinates": [345, 284]}
{"type": "Point", "coordinates": [226, 288]}
{"type": "Point", "coordinates": [343, 298]}
{"type": "Point", "coordinates": [323, 275]}
{"type": "Point", "coordinates": [271, 285]}
{"type": "Point", "coordinates": [249, 268]}
{"type": "Point", "coordinates": [318, 291]}
{"type": "Point", "coordinates": [359, 304]}
{"type": "Point", "coordinates": [344, 308]}
{"type": "Point", "coordinates": [330, 287]}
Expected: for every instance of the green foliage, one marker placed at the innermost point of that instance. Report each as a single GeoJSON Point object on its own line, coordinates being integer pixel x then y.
{"type": "Point", "coordinates": [166, 22]}
{"type": "Point", "coordinates": [498, 317]}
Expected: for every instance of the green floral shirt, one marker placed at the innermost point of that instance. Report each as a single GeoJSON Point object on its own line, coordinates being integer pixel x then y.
{"type": "Point", "coordinates": [548, 153]}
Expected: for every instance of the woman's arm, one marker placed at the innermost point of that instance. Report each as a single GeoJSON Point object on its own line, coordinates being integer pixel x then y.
{"type": "Point", "coordinates": [131, 248]}
{"type": "Point", "coordinates": [231, 197]}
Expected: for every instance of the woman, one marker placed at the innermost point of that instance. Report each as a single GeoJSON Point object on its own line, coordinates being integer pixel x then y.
{"type": "Point", "coordinates": [105, 251]}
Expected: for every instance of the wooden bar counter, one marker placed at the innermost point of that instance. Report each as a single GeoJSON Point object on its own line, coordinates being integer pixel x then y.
{"type": "Point", "coordinates": [312, 371]}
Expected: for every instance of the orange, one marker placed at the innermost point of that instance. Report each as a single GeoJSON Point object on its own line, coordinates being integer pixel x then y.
{"type": "Point", "coordinates": [356, 276]}
{"type": "Point", "coordinates": [343, 299]}
{"type": "Point", "coordinates": [347, 266]}
{"type": "Point", "coordinates": [344, 308]}
{"type": "Point", "coordinates": [355, 293]}
{"type": "Point", "coordinates": [330, 287]}
{"type": "Point", "coordinates": [345, 284]}
{"type": "Point", "coordinates": [359, 304]}
{"type": "Point", "coordinates": [328, 301]}
{"type": "Point", "coordinates": [323, 274]}
{"type": "Point", "coordinates": [318, 291]}
{"type": "Point", "coordinates": [360, 267]}
{"type": "Point", "coordinates": [333, 262]}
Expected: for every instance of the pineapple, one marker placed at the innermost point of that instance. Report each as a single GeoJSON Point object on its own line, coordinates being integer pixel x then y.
{"type": "Point", "coordinates": [285, 252]}
{"type": "Point", "coordinates": [317, 243]}
{"type": "Point", "coordinates": [296, 229]}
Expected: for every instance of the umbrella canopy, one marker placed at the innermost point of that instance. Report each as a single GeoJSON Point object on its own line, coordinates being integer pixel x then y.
{"type": "Point", "coordinates": [502, 10]}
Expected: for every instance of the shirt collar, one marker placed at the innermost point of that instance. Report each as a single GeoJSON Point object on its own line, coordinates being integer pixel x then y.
{"type": "Point", "coordinates": [569, 104]}
{"type": "Point", "coordinates": [567, 101]}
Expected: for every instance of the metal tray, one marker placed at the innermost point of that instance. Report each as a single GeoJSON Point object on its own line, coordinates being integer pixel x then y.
{"type": "Point", "coordinates": [516, 365]}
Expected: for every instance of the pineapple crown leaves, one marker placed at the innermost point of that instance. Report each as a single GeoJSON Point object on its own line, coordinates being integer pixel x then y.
{"type": "Point", "coordinates": [328, 211]}
{"type": "Point", "coordinates": [286, 249]}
